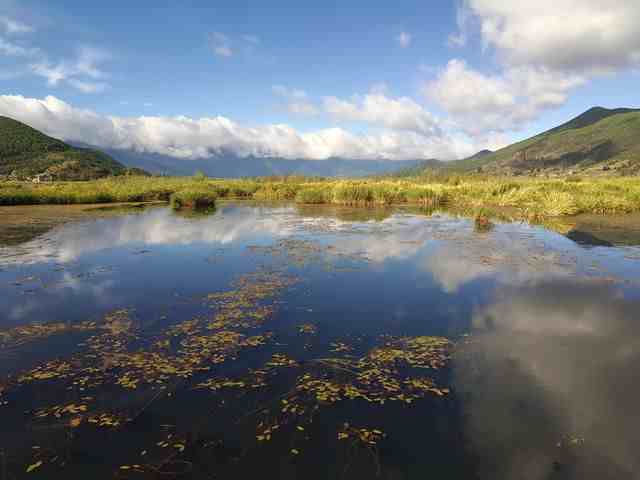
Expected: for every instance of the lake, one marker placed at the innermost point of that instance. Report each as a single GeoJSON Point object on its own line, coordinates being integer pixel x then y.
{"type": "Point", "coordinates": [283, 341]}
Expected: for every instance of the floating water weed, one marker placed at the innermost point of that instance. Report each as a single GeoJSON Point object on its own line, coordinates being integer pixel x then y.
{"type": "Point", "coordinates": [308, 329]}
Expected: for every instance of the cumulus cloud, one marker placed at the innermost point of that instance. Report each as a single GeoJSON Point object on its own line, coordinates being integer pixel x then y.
{"type": "Point", "coordinates": [375, 108]}
{"type": "Point", "coordinates": [404, 39]}
{"type": "Point", "coordinates": [545, 50]}
{"type": "Point", "coordinates": [506, 101]}
{"type": "Point", "coordinates": [574, 35]}
{"type": "Point", "coordinates": [378, 109]}
{"type": "Point", "coordinates": [189, 138]}
{"type": "Point", "coordinates": [297, 101]}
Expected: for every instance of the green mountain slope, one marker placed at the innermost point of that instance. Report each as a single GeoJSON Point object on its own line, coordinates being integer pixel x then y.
{"type": "Point", "coordinates": [25, 153]}
{"type": "Point", "coordinates": [598, 141]}
{"type": "Point", "coordinates": [416, 170]}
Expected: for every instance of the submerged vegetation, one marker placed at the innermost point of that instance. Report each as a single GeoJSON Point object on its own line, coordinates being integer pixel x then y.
{"type": "Point", "coordinates": [532, 197]}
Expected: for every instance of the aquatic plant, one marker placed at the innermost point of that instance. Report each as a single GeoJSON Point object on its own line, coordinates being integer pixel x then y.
{"type": "Point", "coordinates": [193, 199]}
{"type": "Point", "coordinates": [539, 196]}
{"type": "Point", "coordinates": [314, 195]}
{"type": "Point", "coordinates": [426, 196]}
{"type": "Point", "coordinates": [276, 191]}
{"type": "Point", "coordinates": [352, 193]}
{"type": "Point", "coordinates": [482, 221]}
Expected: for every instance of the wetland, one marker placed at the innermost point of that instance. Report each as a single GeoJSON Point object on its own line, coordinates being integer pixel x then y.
{"type": "Point", "coordinates": [283, 340]}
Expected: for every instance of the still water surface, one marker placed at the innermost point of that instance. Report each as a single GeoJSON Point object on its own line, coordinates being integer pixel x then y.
{"type": "Point", "coordinates": [349, 344]}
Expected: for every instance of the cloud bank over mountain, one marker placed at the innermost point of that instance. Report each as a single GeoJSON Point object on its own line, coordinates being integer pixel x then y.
{"type": "Point", "coordinates": [193, 138]}
{"type": "Point", "coordinates": [498, 69]}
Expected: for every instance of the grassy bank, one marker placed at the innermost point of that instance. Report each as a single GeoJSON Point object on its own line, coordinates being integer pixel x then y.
{"type": "Point", "coordinates": [531, 197]}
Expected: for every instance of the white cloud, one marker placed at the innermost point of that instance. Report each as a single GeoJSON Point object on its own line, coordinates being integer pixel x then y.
{"type": "Point", "coordinates": [575, 35]}
{"type": "Point", "coordinates": [404, 39]}
{"type": "Point", "coordinates": [13, 50]}
{"type": "Point", "coordinates": [223, 51]}
{"type": "Point", "coordinates": [254, 39]}
{"type": "Point", "coordinates": [53, 73]}
{"type": "Point", "coordinates": [88, 60]}
{"type": "Point", "coordinates": [459, 39]}
{"type": "Point", "coordinates": [77, 72]}
{"type": "Point", "coordinates": [481, 103]}
{"type": "Point", "coordinates": [9, 26]}
{"type": "Point", "coordinates": [376, 108]}
{"type": "Point", "coordinates": [188, 138]}
{"type": "Point", "coordinates": [13, 27]}
{"type": "Point", "coordinates": [224, 45]}
{"type": "Point", "coordinates": [88, 87]}
{"type": "Point", "coordinates": [297, 101]}
{"type": "Point", "coordinates": [545, 49]}
{"type": "Point", "coordinates": [81, 72]}
{"type": "Point", "coordinates": [221, 44]}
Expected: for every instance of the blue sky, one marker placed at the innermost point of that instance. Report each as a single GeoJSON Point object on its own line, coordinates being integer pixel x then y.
{"type": "Point", "coordinates": [402, 79]}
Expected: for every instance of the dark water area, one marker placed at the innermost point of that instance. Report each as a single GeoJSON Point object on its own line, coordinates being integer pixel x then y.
{"type": "Point", "coordinates": [285, 342]}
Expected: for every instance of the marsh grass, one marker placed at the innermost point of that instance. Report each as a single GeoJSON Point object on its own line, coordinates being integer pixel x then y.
{"type": "Point", "coordinates": [314, 195]}
{"type": "Point", "coordinates": [277, 191]}
{"type": "Point", "coordinates": [193, 199]}
{"type": "Point", "coordinates": [532, 197]}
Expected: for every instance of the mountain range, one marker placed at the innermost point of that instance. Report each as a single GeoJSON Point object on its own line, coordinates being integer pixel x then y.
{"type": "Point", "coordinates": [230, 165]}
{"type": "Point", "coordinates": [598, 142]}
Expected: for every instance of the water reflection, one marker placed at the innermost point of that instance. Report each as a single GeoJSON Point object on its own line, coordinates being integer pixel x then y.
{"type": "Point", "coordinates": [545, 382]}
{"type": "Point", "coordinates": [549, 382]}
{"type": "Point", "coordinates": [152, 228]}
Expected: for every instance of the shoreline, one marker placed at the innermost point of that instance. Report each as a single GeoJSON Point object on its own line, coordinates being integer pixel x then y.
{"type": "Point", "coordinates": [531, 198]}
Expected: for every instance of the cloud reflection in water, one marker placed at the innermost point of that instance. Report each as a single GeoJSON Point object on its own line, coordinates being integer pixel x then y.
{"type": "Point", "coordinates": [549, 383]}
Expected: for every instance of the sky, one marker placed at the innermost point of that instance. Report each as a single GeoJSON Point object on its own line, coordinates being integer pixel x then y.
{"type": "Point", "coordinates": [407, 79]}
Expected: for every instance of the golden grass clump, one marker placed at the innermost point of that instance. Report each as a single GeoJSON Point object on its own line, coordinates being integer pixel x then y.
{"type": "Point", "coordinates": [193, 199]}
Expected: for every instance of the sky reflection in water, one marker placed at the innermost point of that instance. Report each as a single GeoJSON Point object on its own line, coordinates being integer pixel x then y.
{"type": "Point", "coordinates": [543, 379]}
